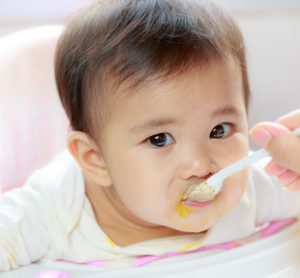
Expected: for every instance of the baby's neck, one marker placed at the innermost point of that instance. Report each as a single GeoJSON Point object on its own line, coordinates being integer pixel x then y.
{"type": "Point", "coordinates": [118, 223]}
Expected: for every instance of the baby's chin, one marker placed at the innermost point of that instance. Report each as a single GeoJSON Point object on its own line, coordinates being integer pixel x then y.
{"type": "Point", "coordinates": [193, 225]}
{"type": "Point", "coordinates": [194, 229]}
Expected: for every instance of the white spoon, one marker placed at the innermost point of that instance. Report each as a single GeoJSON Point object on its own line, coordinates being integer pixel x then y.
{"type": "Point", "coordinates": [209, 188]}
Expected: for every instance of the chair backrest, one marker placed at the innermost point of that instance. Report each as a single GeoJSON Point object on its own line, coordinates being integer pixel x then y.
{"type": "Point", "coordinates": [33, 125]}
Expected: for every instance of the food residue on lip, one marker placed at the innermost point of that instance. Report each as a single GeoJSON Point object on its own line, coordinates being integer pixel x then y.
{"type": "Point", "coordinates": [201, 192]}
{"type": "Point", "coordinates": [198, 204]}
{"type": "Point", "coordinates": [183, 210]}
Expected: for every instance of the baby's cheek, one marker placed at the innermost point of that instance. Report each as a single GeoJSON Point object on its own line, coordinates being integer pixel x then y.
{"type": "Point", "coordinates": [238, 182]}
{"type": "Point", "coordinates": [243, 179]}
{"type": "Point", "coordinates": [153, 210]}
{"type": "Point", "coordinates": [233, 190]}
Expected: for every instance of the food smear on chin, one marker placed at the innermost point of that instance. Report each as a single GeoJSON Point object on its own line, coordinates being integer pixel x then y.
{"type": "Point", "coordinates": [183, 210]}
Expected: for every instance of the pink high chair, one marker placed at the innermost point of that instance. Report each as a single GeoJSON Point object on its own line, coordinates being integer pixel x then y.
{"type": "Point", "coordinates": [33, 125]}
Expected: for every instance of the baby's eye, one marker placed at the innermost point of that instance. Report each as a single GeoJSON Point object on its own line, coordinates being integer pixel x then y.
{"type": "Point", "coordinates": [161, 140]}
{"type": "Point", "coordinates": [221, 131]}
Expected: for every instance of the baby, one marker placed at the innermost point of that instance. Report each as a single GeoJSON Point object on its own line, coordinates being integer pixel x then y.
{"type": "Point", "coordinates": [156, 92]}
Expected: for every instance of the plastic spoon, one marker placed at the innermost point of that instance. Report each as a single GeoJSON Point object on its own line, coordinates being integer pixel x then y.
{"type": "Point", "coordinates": [209, 188]}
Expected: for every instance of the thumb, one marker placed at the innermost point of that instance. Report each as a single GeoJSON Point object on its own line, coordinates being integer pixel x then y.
{"type": "Point", "coordinates": [280, 142]}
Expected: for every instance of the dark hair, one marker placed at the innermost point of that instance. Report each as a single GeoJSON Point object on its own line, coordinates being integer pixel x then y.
{"type": "Point", "coordinates": [114, 41]}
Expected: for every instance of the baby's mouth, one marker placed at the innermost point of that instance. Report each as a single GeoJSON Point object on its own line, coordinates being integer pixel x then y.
{"type": "Point", "coordinates": [197, 204]}
{"type": "Point", "coordinates": [201, 192]}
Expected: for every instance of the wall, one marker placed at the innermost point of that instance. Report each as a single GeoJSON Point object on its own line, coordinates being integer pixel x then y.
{"type": "Point", "coordinates": [273, 43]}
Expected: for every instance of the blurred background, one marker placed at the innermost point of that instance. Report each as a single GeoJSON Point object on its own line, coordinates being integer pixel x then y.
{"type": "Point", "coordinates": [271, 29]}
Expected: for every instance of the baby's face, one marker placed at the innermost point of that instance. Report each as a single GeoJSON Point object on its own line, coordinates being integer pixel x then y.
{"type": "Point", "coordinates": [171, 135]}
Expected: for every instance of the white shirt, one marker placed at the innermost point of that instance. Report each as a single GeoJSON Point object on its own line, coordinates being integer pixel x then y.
{"type": "Point", "coordinates": [51, 218]}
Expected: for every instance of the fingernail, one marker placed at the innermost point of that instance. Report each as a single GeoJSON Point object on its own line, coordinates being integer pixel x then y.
{"type": "Point", "coordinates": [262, 137]}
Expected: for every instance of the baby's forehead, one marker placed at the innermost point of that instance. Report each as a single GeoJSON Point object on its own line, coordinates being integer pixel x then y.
{"type": "Point", "coordinates": [132, 86]}
{"type": "Point", "coordinates": [218, 76]}
{"type": "Point", "coordinates": [181, 104]}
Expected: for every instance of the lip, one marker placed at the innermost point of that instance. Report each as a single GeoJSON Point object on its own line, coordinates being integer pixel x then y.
{"type": "Point", "coordinates": [198, 204]}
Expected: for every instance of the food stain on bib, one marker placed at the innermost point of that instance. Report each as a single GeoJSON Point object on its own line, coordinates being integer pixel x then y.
{"type": "Point", "coordinates": [110, 241]}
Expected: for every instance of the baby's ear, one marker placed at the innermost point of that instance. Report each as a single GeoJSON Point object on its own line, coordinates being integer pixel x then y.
{"type": "Point", "coordinates": [89, 157]}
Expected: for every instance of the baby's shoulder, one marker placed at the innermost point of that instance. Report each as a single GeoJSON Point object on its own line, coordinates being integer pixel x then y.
{"type": "Point", "coordinates": [257, 173]}
{"type": "Point", "coordinates": [261, 184]}
{"type": "Point", "coordinates": [53, 194]}
{"type": "Point", "coordinates": [62, 175]}
{"type": "Point", "coordinates": [269, 197]}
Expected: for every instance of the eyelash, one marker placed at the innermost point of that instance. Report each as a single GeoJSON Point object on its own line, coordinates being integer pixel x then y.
{"type": "Point", "coordinates": [163, 139]}
{"type": "Point", "coordinates": [221, 136]}
{"type": "Point", "coordinates": [157, 137]}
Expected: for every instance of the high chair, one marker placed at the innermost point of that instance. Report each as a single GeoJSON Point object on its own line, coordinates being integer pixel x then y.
{"type": "Point", "coordinates": [33, 125]}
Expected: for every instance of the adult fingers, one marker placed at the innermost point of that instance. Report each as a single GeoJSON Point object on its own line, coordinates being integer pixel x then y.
{"type": "Point", "coordinates": [288, 177]}
{"type": "Point", "coordinates": [275, 169]}
{"type": "Point", "coordinates": [290, 120]}
{"type": "Point", "coordinates": [294, 185]}
{"type": "Point", "coordinates": [283, 146]}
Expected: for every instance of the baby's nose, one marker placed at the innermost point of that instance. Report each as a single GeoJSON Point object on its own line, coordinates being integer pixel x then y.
{"type": "Point", "coordinates": [199, 164]}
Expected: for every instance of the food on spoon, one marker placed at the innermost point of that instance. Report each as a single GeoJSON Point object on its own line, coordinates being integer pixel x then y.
{"type": "Point", "coordinates": [201, 192]}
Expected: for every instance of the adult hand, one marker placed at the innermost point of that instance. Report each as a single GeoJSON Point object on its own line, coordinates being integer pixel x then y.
{"type": "Point", "coordinates": [284, 147]}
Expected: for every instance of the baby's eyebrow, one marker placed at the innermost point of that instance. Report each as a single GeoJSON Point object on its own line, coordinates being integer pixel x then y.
{"type": "Point", "coordinates": [226, 110]}
{"type": "Point", "coordinates": [160, 122]}
{"type": "Point", "coordinates": [152, 124]}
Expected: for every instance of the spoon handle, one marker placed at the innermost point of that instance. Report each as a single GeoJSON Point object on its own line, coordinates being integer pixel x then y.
{"type": "Point", "coordinates": [217, 179]}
